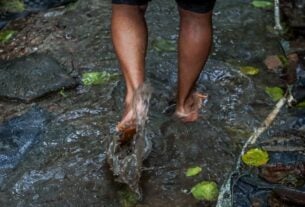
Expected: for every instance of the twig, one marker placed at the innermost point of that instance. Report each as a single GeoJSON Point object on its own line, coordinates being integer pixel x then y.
{"type": "Point", "coordinates": [277, 16]}
{"type": "Point", "coordinates": [225, 197]}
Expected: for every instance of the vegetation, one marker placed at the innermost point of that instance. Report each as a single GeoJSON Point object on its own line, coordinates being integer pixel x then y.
{"type": "Point", "coordinates": [11, 5]}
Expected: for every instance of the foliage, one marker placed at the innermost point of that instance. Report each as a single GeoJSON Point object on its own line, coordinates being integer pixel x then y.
{"type": "Point", "coordinates": [284, 60]}
{"type": "Point", "coordinates": [6, 35]}
{"type": "Point", "coordinates": [206, 190]}
{"type": "Point", "coordinates": [127, 198]}
{"type": "Point", "coordinates": [163, 45]}
{"type": "Point", "coordinates": [276, 93]}
{"type": "Point", "coordinates": [12, 5]}
{"type": "Point", "coordinates": [193, 171]}
{"type": "Point", "coordinates": [97, 78]}
{"type": "Point", "coordinates": [301, 105]}
{"type": "Point", "coordinates": [255, 157]}
{"type": "Point", "coordinates": [62, 93]}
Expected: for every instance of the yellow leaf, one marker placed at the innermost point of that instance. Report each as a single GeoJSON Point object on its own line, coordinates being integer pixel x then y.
{"type": "Point", "coordinates": [249, 70]}
{"type": "Point", "coordinates": [255, 157]}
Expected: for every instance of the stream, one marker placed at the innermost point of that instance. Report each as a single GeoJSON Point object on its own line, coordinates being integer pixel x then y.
{"type": "Point", "coordinates": [53, 149]}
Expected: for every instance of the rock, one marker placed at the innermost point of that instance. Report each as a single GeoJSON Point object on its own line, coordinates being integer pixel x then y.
{"type": "Point", "coordinates": [45, 4]}
{"type": "Point", "coordinates": [289, 174]}
{"type": "Point", "coordinates": [31, 77]}
{"type": "Point", "coordinates": [290, 195]}
{"type": "Point", "coordinates": [18, 135]}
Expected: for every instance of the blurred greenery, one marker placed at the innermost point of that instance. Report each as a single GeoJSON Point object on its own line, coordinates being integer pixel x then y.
{"type": "Point", "coordinates": [276, 93]}
{"type": "Point", "coordinates": [97, 78]}
{"type": "Point", "coordinates": [11, 5]}
{"type": "Point", "coordinates": [6, 35]}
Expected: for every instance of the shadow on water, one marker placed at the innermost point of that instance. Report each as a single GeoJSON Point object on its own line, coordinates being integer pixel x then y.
{"type": "Point", "coordinates": [67, 166]}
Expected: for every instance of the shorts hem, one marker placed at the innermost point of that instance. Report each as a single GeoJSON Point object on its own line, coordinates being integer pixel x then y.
{"type": "Point", "coordinates": [196, 8]}
{"type": "Point", "coordinates": [124, 2]}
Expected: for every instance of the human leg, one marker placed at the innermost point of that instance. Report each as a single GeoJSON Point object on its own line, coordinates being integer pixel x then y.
{"type": "Point", "coordinates": [195, 39]}
{"type": "Point", "coordinates": [129, 36]}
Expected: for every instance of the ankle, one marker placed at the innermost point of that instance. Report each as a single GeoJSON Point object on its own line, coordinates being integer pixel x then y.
{"type": "Point", "coordinates": [180, 108]}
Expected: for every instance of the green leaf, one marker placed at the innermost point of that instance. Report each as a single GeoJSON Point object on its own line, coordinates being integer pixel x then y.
{"type": "Point", "coordinates": [6, 35]}
{"type": "Point", "coordinates": [206, 190]}
{"type": "Point", "coordinates": [163, 45]}
{"type": "Point", "coordinates": [301, 105]}
{"type": "Point", "coordinates": [255, 157]}
{"type": "Point", "coordinates": [284, 60]}
{"type": "Point", "coordinates": [276, 93]}
{"type": "Point", "coordinates": [62, 93]}
{"type": "Point", "coordinates": [249, 70]}
{"type": "Point", "coordinates": [193, 171]}
{"type": "Point", "coordinates": [97, 78]}
{"type": "Point", "coordinates": [12, 6]}
{"type": "Point", "coordinates": [262, 4]}
{"type": "Point", "coordinates": [127, 198]}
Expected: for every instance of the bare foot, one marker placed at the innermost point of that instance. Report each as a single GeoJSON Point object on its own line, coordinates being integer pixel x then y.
{"type": "Point", "coordinates": [190, 112]}
{"type": "Point", "coordinates": [127, 126]}
{"type": "Point", "coordinates": [128, 119]}
{"type": "Point", "coordinates": [135, 113]}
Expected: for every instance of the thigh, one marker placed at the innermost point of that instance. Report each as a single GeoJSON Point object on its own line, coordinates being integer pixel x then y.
{"type": "Point", "coordinates": [131, 2]}
{"type": "Point", "coordinates": [198, 6]}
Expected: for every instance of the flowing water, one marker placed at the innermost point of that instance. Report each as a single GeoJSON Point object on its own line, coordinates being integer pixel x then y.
{"type": "Point", "coordinates": [126, 159]}
{"type": "Point", "coordinates": [67, 164]}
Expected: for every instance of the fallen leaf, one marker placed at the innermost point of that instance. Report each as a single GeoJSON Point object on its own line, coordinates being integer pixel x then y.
{"type": "Point", "coordinates": [274, 62]}
{"type": "Point", "coordinates": [62, 93]}
{"type": "Point", "coordinates": [127, 198]}
{"type": "Point", "coordinates": [255, 157]}
{"type": "Point", "coordinates": [206, 190]}
{"type": "Point", "coordinates": [276, 93]}
{"type": "Point", "coordinates": [262, 4]}
{"type": "Point", "coordinates": [301, 105]}
{"type": "Point", "coordinates": [97, 78]}
{"type": "Point", "coordinates": [249, 70]}
{"type": "Point", "coordinates": [163, 45]}
{"type": "Point", "coordinates": [6, 35]}
{"type": "Point", "coordinates": [284, 60]}
{"type": "Point", "coordinates": [193, 171]}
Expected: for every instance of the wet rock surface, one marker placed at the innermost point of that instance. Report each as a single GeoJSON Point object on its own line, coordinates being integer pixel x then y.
{"type": "Point", "coordinates": [17, 136]}
{"type": "Point", "coordinates": [281, 181]}
{"type": "Point", "coordinates": [44, 4]}
{"type": "Point", "coordinates": [29, 7]}
{"type": "Point", "coordinates": [31, 77]}
{"type": "Point", "coordinates": [68, 166]}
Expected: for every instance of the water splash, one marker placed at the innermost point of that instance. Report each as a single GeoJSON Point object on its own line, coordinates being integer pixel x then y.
{"type": "Point", "coordinates": [126, 160]}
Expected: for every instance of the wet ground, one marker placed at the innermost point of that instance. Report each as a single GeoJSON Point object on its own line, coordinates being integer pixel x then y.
{"type": "Point", "coordinates": [65, 165]}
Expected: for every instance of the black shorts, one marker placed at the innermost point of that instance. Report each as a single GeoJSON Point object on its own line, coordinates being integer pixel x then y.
{"type": "Point", "coordinates": [199, 6]}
